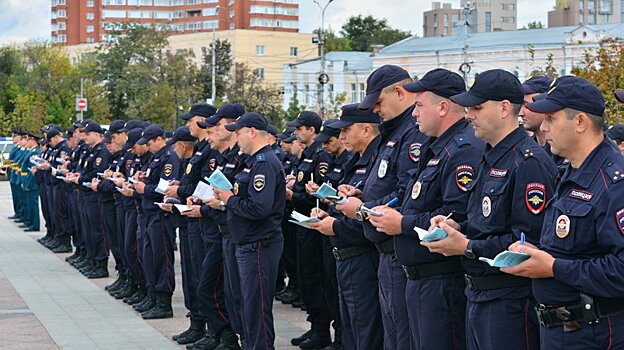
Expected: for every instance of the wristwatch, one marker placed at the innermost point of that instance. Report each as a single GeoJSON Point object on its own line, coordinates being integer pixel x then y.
{"type": "Point", "coordinates": [358, 213]}
{"type": "Point", "coordinates": [468, 253]}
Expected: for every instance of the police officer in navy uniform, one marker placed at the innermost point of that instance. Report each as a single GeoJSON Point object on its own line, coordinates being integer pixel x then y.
{"type": "Point", "coordinates": [578, 270]}
{"type": "Point", "coordinates": [159, 229]}
{"type": "Point", "coordinates": [616, 134]}
{"type": "Point", "coordinates": [273, 143]}
{"type": "Point", "coordinates": [255, 208]}
{"type": "Point", "coordinates": [313, 166]}
{"type": "Point", "coordinates": [515, 180]}
{"type": "Point", "coordinates": [355, 256]}
{"type": "Point", "coordinates": [399, 152]}
{"type": "Point", "coordinates": [436, 302]}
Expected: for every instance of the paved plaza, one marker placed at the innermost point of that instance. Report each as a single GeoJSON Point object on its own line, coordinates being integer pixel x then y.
{"type": "Point", "coordinates": [46, 304]}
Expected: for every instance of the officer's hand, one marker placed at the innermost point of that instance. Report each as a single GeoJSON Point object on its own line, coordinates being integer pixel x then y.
{"type": "Point", "coordinates": [118, 175]}
{"type": "Point", "coordinates": [139, 187]}
{"type": "Point", "coordinates": [539, 265]}
{"type": "Point", "coordinates": [194, 212]}
{"type": "Point", "coordinates": [53, 171]}
{"type": "Point", "coordinates": [190, 201]}
{"type": "Point", "coordinates": [118, 181]}
{"type": "Point", "coordinates": [389, 223]}
{"type": "Point", "coordinates": [172, 191]}
{"type": "Point", "coordinates": [213, 203]}
{"type": "Point", "coordinates": [318, 213]}
{"type": "Point", "coordinates": [455, 244]}
{"type": "Point", "coordinates": [311, 187]}
{"type": "Point", "coordinates": [64, 171]}
{"type": "Point", "coordinates": [289, 194]}
{"type": "Point", "coordinates": [436, 220]}
{"type": "Point", "coordinates": [107, 173]}
{"type": "Point", "coordinates": [324, 226]}
{"type": "Point", "coordinates": [223, 195]}
{"type": "Point", "coordinates": [349, 191]}
{"type": "Point", "coordinates": [174, 183]}
{"type": "Point", "coordinates": [348, 208]}
{"type": "Point", "coordinates": [94, 184]}
{"type": "Point", "coordinates": [166, 207]}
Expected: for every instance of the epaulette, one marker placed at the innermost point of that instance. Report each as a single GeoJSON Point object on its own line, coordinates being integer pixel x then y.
{"type": "Point", "coordinates": [461, 140]}
{"type": "Point", "coordinates": [527, 153]}
{"type": "Point", "coordinates": [614, 171]}
{"type": "Point", "coordinates": [260, 157]}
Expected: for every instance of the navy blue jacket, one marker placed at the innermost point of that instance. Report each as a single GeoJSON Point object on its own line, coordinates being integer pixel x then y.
{"type": "Point", "coordinates": [166, 165]}
{"type": "Point", "coordinates": [314, 160]}
{"type": "Point", "coordinates": [584, 230]}
{"type": "Point", "coordinates": [256, 210]}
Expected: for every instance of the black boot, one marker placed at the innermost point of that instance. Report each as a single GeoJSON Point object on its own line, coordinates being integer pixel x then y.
{"type": "Point", "coordinates": [127, 292]}
{"type": "Point", "coordinates": [100, 270]}
{"type": "Point", "coordinates": [138, 296]}
{"type": "Point", "coordinates": [196, 331]}
{"type": "Point", "coordinates": [80, 259]}
{"type": "Point", "coordinates": [51, 244]}
{"type": "Point", "coordinates": [74, 256]}
{"type": "Point", "coordinates": [64, 246]}
{"type": "Point", "coordinates": [120, 277]}
{"type": "Point", "coordinates": [146, 304]}
{"type": "Point", "coordinates": [228, 341]}
{"type": "Point", "coordinates": [209, 342]}
{"type": "Point", "coordinates": [162, 309]}
{"type": "Point", "coordinates": [86, 267]}
{"type": "Point", "coordinates": [337, 344]}
{"type": "Point", "coordinates": [300, 339]}
{"type": "Point", "coordinates": [320, 338]}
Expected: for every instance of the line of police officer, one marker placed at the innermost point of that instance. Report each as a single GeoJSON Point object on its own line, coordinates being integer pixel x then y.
{"type": "Point", "coordinates": [413, 154]}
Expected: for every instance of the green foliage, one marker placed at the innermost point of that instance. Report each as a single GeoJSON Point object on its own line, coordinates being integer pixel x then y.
{"type": "Point", "coordinates": [604, 67]}
{"type": "Point", "coordinates": [362, 32]}
{"type": "Point", "coordinates": [534, 25]}
{"type": "Point", "coordinates": [223, 66]}
{"type": "Point", "coordinates": [294, 107]}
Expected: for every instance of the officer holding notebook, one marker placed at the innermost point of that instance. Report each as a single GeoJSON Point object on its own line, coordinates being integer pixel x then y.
{"type": "Point", "coordinates": [515, 180]}
{"type": "Point", "coordinates": [578, 272]}
{"type": "Point", "coordinates": [438, 186]}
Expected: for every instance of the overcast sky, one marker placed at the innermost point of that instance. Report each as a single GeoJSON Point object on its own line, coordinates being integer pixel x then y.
{"type": "Point", "coordinates": [21, 20]}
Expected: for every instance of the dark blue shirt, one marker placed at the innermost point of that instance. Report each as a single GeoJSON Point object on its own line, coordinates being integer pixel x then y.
{"type": "Point", "coordinates": [96, 161]}
{"type": "Point", "coordinates": [399, 152]}
{"type": "Point", "coordinates": [516, 179]}
{"type": "Point", "coordinates": [336, 170]}
{"type": "Point", "coordinates": [193, 169]}
{"type": "Point", "coordinates": [584, 230]}
{"type": "Point", "coordinates": [314, 160]}
{"type": "Point", "coordinates": [439, 186]}
{"type": "Point", "coordinates": [166, 165]}
{"type": "Point", "coordinates": [256, 210]}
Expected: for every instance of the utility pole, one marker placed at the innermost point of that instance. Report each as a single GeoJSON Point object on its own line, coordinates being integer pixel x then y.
{"type": "Point", "coordinates": [465, 68]}
{"type": "Point", "coordinates": [323, 78]}
{"type": "Point", "coordinates": [214, 67]}
{"type": "Point", "coordinates": [81, 94]}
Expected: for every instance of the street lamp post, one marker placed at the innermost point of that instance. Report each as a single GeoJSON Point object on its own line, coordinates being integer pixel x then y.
{"type": "Point", "coordinates": [213, 96]}
{"type": "Point", "coordinates": [323, 78]}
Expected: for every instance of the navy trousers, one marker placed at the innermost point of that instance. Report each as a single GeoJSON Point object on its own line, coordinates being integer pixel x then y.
{"type": "Point", "coordinates": [158, 252]}
{"type": "Point", "coordinates": [94, 226]}
{"type": "Point", "coordinates": [392, 283]}
{"type": "Point", "coordinates": [436, 307]}
{"type": "Point", "coordinates": [310, 273]}
{"type": "Point", "coordinates": [210, 288]}
{"type": "Point", "coordinates": [257, 266]}
{"type": "Point", "coordinates": [231, 285]}
{"type": "Point", "coordinates": [606, 334]}
{"type": "Point", "coordinates": [508, 324]}
{"type": "Point", "coordinates": [74, 212]}
{"type": "Point", "coordinates": [196, 255]}
{"type": "Point", "coordinates": [358, 288]}
{"type": "Point", "coordinates": [131, 247]}
{"type": "Point", "coordinates": [118, 237]}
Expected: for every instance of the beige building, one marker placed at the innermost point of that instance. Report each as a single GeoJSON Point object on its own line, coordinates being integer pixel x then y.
{"type": "Point", "coordinates": [587, 12]}
{"type": "Point", "coordinates": [440, 20]}
{"type": "Point", "coordinates": [263, 51]}
{"type": "Point", "coordinates": [492, 15]}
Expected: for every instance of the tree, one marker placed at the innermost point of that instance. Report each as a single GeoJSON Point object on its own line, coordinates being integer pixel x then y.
{"type": "Point", "coordinates": [334, 42]}
{"type": "Point", "coordinates": [362, 32]}
{"type": "Point", "coordinates": [255, 94]}
{"type": "Point", "coordinates": [534, 25]}
{"type": "Point", "coordinates": [604, 67]}
{"type": "Point", "coordinates": [224, 61]}
{"type": "Point", "coordinates": [294, 107]}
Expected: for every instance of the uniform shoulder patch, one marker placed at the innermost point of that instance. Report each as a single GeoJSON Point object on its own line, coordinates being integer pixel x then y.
{"type": "Point", "coordinates": [414, 152]}
{"type": "Point", "coordinates": [259, 182]}
{"type": "Point", "coordinates": [614, 171]}
{"type": "Point", "coordinates": [261, 157]}
{"type": "Point", "coordinates": [323, 168]}
{"type": "Point", "coordinates": [464, 174]}
{"type": "Point", "coordinates": [212, 163]}
{"type": "Point", "coordinates": [535, 197]}
{"type": "Point", "coordinates": [168, 169]}
{"type": "Point", "coordinates": [619, 219]}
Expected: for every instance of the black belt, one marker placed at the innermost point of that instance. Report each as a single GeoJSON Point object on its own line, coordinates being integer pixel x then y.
{"type": "Point", "coordinates": [496, 282]}
{"type": "Point", "coordinates": [433, 269]}
{"type": "Point", "coordinates": [224, 229]}
{"type": "Point", "coordinates": [385, 247]}
{"type": "Point", "coordinates": [341, 254]}
{"type": "Point", "coordinates": [588, 310]}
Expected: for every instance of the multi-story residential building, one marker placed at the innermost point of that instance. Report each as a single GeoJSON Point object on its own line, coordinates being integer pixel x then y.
{"type": "Point", "coordinates": [587, 12]}
{"type": "Point", "coordinates": [90, 21]}
{"type": "Point", "coordinates": [440, 20]}
{"type": "Point", "coordinates": [492, 15]}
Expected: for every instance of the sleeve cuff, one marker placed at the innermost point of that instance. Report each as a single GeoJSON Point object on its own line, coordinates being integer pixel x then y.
{"type": "Point", "coordinates": [407, 225]}
{"type": "Point", "coordinates": [561, 268]}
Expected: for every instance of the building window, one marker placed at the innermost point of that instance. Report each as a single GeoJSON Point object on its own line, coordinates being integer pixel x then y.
{"type": "Point", "coordinates": [353, 94]}
{"type": "Point", "coordinates": [445, 31]}
{"type": "Point", "coordinates": [211, 24]}
{"type": "Point", "coordinates": [62, 26]}
{"type": "Point", "coordinates": [61, 14]}
{"type": "Point", "coordinates": [605, 7]}
{"type": "Point", "coordinates": [90, 3]}
{"type": "Point", "coordinates": [114, 2]}
{"type": "Point", "coordinates": [445, 19]}
{"type": "Point", "coordinates": [61, 38]}
{"type": "Point", "coordinates": [260, 73]}
{"type": "Point", "coordinates": [232, 25]}
{"type": "Point", "coordinates": [113, 14]}
{"type": "Point", "coordinates": [210, 1]}
{"type": "Point", "coordinates": [362, 91]}
{"type": "Point", "coordinates": [232, 13]}
{"type": "Point", "coordinates": [211, 11]}
{"type": "Point", "coordinates": [259, 50]}
{"type": "Point", "coordinates": [502, 7]}
{"type": "Point", "coordinates": [90, 16]}
{"type": "Point", "coordinates": [90, 29]}
{"type": "Point", "coordinates": [90, 39]}
{"type": "Point", "coordinates": [488, 21]}
{"type": "Point", "coordinates": [512, 7]}
{"type": "Point", "coordinates": [192, 2]}
{"type": "Point", "coordinates": [62, 2]}
{"type": "Point", "coordinates": [194, 26]}
{"type": "Point", "coordinates": [294, 52]}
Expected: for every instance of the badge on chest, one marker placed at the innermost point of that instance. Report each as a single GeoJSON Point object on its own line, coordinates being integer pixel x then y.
{"type": "Point", "coordinates": [416, 189]}
{"type": "Point", "coordinates": [486, 206]}
{"type": "Point", "coordinates": [383, 169]}
{"type": "Point", "coordinates": [563, 226]}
